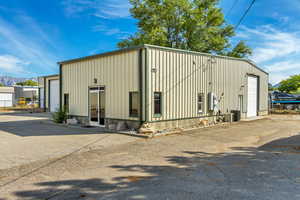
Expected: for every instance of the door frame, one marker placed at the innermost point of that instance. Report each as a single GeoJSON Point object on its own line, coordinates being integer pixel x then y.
{"type": "Point", "coordinates": [98, 90]}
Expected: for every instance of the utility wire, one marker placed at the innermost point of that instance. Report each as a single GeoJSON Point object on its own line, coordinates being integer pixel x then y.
{"type": "Point", "coordinates": [232, 7]}
{"type": "Point", "coordinates": [244, 15]}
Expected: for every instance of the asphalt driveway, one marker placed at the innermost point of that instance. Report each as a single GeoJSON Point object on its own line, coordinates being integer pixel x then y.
{"type": "Point", "coordinates": [26, 138]}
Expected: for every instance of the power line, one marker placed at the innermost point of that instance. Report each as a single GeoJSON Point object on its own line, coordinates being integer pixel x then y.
{"type": "Point", "coordinates": [232, 7]}
{"type": "Point", "coordinates": [244, 15]}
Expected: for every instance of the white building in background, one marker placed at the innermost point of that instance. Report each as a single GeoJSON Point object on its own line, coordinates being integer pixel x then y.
{"type": "Point", "coordinates": [27, 93]}
{"type": "Point", "coordinates": [7, 97]}
{"type": "Point", "coordinates": [49, 92]}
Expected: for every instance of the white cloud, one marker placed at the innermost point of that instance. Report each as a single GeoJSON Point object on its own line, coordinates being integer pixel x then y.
{"type": "Point", "coordinates": [30, 43]}
{"type": "Point", "coordinates": [277, 51]}
{"type": "Point", "coordinates": [272, 43]}
{"type": "Point", "coordinates": [280, 18]}
{"type": "Point", "coordinates": [12, 64]}
{"type": "Point", "coordinates": [282, 70]}
{"type": "Point", "coordinates": [99, 8]}
{"type": "Point", "coordinates": [119, 34]}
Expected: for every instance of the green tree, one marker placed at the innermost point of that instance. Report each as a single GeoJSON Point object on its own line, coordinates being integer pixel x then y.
{"type": "Point", "coordinates": [1, 85]}
{"type": "Point", "coordinates": [28, 83]}
{"type": "Point", "coordinates": [290, 85]}
{"type": "Point", "coordinates": [270, 87]}
{"type": "Point", "coordinates": [196, 25]}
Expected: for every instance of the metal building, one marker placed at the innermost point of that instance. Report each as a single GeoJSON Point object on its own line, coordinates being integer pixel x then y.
{"type": "Point", "coordinates": [49, 92]}
{"type": "Point", "coordinates": [161, 86]}
{"type": "Point", "coordinates": [7, 97]}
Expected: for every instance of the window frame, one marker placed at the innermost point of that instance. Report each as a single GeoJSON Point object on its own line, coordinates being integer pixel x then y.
{"type": "Point", "coordinates": [156, 115]}
{"type": "Point", "coordinates": [200, 94]}
{"type": "Point", "coordinates": [131, 114]}
{"type": "Point", "coordinates": [67, 103]}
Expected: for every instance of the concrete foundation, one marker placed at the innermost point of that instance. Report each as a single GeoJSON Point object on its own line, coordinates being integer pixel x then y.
{"type": "Point", "coordinates": [81, 119]}
{"type": "Point", "coordinates": [121, 125]}
{"type": "Point", "coordinates": [183, 123]}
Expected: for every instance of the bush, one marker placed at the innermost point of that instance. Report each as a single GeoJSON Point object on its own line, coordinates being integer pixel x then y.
{"type": "Point", "coordinates": [60, 116]}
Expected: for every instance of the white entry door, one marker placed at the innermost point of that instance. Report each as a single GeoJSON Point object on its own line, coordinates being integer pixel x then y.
{"type": "Point", "coordinates": [252, 96]}
{"type": "Point", "coordinates": [54, 95]}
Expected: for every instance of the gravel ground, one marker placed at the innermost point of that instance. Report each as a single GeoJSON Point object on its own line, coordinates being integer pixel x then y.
{"type": "Point", "coordinates": [246, 160]}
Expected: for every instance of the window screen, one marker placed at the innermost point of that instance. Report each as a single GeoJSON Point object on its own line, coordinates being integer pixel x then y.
{"type": "Point", "coordinates": [134, 104]}
{"type": "Point", "coordinates": [157, 103]}
{"type": "Point", "coordinates": [200, 103]}
{"type": "Point", "coordinates": [66, 102]}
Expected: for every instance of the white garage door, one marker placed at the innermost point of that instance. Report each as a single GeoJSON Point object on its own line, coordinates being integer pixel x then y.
{"type": "Point", "coordinates": [252, 96]}
{"type": "Point", "coordinates": [54, 95]}
{"type": "Point", "coordinates": [42, 97]}
{"type": "Point", "coordinates": [6, 100]}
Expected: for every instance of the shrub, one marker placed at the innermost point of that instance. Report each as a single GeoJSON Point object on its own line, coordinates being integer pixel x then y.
{"type": "Point", "coordinates": [60, 116]}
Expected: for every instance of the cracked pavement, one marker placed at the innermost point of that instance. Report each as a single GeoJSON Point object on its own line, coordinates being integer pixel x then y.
{"type": "Point", "coordinates": [246, 160]}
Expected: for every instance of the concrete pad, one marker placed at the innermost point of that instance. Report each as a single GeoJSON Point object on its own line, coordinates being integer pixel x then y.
{"type": "Point", "coordinates": [25, 138]}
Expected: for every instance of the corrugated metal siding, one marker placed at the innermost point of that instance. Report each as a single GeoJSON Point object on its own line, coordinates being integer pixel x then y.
{"type": "Point", "coordinates": [118, 73]}
{"type": "Point", "coordinates": [180, 76]}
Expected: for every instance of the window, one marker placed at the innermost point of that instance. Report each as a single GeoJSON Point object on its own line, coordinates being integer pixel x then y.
{"type": "Point", "coordinates": [157, 103]}
{"type": "Point", "coordinates": [241, 103]}
{"type": "Point", "coordinates": [66, 102]}
{"type": "Point", "coordinates": [200, 102]}
{"type": "Point", "coordinates": [134, 104]}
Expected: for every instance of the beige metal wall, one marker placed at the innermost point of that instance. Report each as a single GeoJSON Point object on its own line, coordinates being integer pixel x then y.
{"type": "Point", "coordinates": [118, 73]}
{"type": "Point", "coordinates": [180, 76]}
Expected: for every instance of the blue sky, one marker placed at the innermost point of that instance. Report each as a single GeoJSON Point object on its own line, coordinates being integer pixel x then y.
{"type": "Point", "coordinates": [35, 34]}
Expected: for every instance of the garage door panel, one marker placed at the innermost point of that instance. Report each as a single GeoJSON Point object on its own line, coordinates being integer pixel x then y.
{"type": "Point", "coordinates": [54, 95]}
{"type": "Point", "coordinates": [6, 100]}
{"type": "Point", "coordinates": [252, 96]}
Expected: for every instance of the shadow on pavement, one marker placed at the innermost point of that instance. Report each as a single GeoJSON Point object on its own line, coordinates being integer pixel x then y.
{"type": "Point", "coordinates": [41, 127]}
{"type": "Point", "coordinates": [245, 173]}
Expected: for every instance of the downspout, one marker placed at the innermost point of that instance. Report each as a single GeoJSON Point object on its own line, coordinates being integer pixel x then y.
{"type": "Point", "coordinates": [143, 81]}
{"type": "Point", "coordinates": [45, 90]}
{"type": "Point", "coordinates": [60, 87]}
{"type": "Point", "coordinates": [146, 84]}
{"type": "Point", "coordinates": [140, 71]}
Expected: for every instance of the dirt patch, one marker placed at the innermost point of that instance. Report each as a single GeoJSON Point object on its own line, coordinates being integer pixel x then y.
{"type": "Point", "coordinates": [135, 178]}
